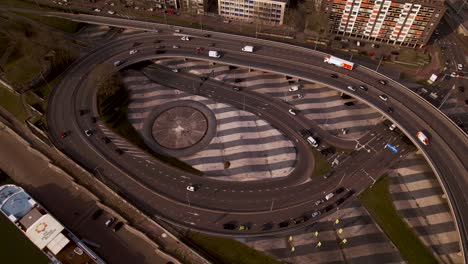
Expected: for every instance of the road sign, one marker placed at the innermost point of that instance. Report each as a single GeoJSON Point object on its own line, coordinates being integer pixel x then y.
{"type": "Point", "coordinates": [392, 148]}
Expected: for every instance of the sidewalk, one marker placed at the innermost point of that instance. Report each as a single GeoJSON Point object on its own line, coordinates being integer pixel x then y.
{"type": "Point", "coordinates": [48, 185]}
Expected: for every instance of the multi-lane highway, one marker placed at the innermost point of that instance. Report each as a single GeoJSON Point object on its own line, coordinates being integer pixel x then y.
{"type": "Point", "coordinates": [160, 189]}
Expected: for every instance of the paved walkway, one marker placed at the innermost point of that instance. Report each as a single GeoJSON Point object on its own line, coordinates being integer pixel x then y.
{"type": "Point", "coordinates": [48, 184]}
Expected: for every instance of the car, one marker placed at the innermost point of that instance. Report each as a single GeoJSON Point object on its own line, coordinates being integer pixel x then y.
{"type": "Point", "coordinates": [328, 208]}
{"type": "Point", "coordinates": [237, 80]}
{"type": "Point", "coordinates": [226, 21]}
{"type": "Point", "coordinates": [136, 44]}
{"type": "Point", "coordinates": [297, 96]}
{"type": "Point", "coordinates": [236, 88]}
{"type": "Point", "coordinates": [157, 41]}
{"type": "Point", "coordinates": [243, 228]}
{"type": "Point", "coordinates": [97, 214]}
{"type": "Point", "coordinates": [110, 221]}
{"type": "Point", "coordinates": [229, 226]}
{"type": "Point", "coordinates": [318, 202]}
{"type": "Point", "coordinates": [211, 44]}
{"type": "Point", "coordinates": [362, 87]}
{"type": "Point", "coordinates": [348, 194]}
{"type": "Point", "coordinates": [111, 12]}
{"type": "Point", "coordinates": [328, 174]}
{"type": "Point", "coordinates": [96, 10]}
{"type": "Point", "coordinates": [185, 38]}
{"type": "Point", "coordinates": [175, 70]}
{"type": "Point", "coordinates": [199, 50]}
{"type": "Point", "coordinates": [300, 219]}
{"type": "Point", "coordinates": [160, 52]}
{"type": "Point", "coordinates": [119, 151]}
{"type": "Point", "coordinates": [106, 140]}
{"type": "Point", "coordinates": [292, 112]}
{"type": "Point", "coordinates": [192, 187]}
{"type": "Point", "coordinates": [460, 67]}
{"type": "Point", "coordinates": [351, 88]}
{"type": "Point", "coordinates": [339, 201]}
{"type": "Point", "coordinates": [118, 63]}
{"type": "Point", "coordinates": [423, 138]}
{"type": "Point", "coordinates": [294, 88]}
{"type": "Point", "coordinates": [63, 134]}
{"type": "Point", "coordinates": [283, 224]}
{"type": "Point", "coordinates": [315, 214]}
{"type": "Point", "coordinates": [161, 47]}
{"type": "Point", "coordinates": [207, 35]}
{"type": "Point", "coordinates": [383, 97]}
{"type": "Point", "coordinates": [349, 103]}
{"type": "Point", "coordinates": [392, 127]}
{"type": "Point", "coordinates": [334, 76]}
{"type": "Point", "coordinates": [329, 196]}
{"type": "Point", "coordinates": [175, 46]}
{"type": "Point", "coordinates": [117, 226]}
{"type": "Point", "coordinates": [133, 51]}
{"type": "Point", "coordinates": [390, 110]}
{"type": "Point", "coordinates": [203, 78]}
{"type": "Point", "coordinates": [383, 82]}
{"type": "Point", "coordinates": [177, 30]}
{"type": "Point", "coordinates": [88, 132]}
{"type": "Point", "coordinates": [461, 89]}
{"type": "Point", "coordinates": [339, 190]}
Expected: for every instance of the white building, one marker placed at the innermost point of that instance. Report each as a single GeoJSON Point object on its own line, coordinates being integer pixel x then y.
{"type": "Point", "coordinates": [261, 11]}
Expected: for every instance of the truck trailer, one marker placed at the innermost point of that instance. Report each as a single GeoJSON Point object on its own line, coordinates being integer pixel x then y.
{"type": "Point", "coordinates": [339, 62]}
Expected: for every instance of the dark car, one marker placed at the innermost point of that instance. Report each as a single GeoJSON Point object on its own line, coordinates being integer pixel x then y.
{"type": "Point", "coordinates": [461, 89]}
{"type": "Point", "coordinates": [136, 44]}
{"type": "Point", "coordinates": [119, 151]}
{"type": "Point", "coordinates": [328, 208]}
{"type": "Point", "coordinates": [390, 110]}
{"type": "Point", "coordinates": [106, 140]}
{"type": "Point", "coordinates": [229, 226]}
{"type": "Point", "coordinates": [211, 44]}
{"type": "Point", "coordinates": [300, 219]}
{"type": "Point", "coordinates": [237, 80]}
{"type": "Point", "coordinates": [207, 35]}
{"type": "Point", "coordinates": [160, 52]}
{"type": "Point", "coordinates": [203, 78]}
{"type": "Point", "coordinates": [339, 201]}
{"type": "Point", "coordinates": [284, 224]}
{"type": "Point", "coordinates": [267, 226]}
{"type": "Point", "coordinates": [349, 103]}
{"type": "Point", "coordinates": [348, 194]}
{"type": "Point", "coordinates": [97, 214]}
{"type": "Point", "coordinates": [157, 41]}
{"type": "Point", "coordinates": [383, 82]}
{"type": "Point", "coordinates": [334, 76]}
{"type": "Point", "coordinates": [117, 226]}
{"type": "Point", "coordinates": [339, 190]}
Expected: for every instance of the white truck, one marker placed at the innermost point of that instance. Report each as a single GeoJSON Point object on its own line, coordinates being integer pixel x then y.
{"type": "Point", "coordinates": [312, 141]}
{"type": "Point", "coordinates": [295, 88]}
{"type": "Point", "coordinates": [214, 54]}
{"type": "Point", "coordinates": [248, 49]}
{"type": "Point", "coordinates": [339, 62]}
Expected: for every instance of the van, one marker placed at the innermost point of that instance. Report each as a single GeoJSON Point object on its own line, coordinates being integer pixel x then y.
{"type": "Point", "coordinates": [294, 88]}
{"type": "Point", "coordinates": [312, 141]}
{"type": "Point", "coordinates": [214, 54]}
{"type": "Point", "coordinates": [248, 48]}
{"type": "Point", "coordinates": [329, 196]}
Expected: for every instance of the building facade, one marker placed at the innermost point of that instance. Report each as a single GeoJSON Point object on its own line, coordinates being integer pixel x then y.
{"type": "Point", "coordinates": [397, 22]}
{"type": "Point", "coordinates": [259, 11]}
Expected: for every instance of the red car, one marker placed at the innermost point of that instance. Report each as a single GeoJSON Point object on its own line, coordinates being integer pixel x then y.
{"type": "Point", "coordinates": [63, 134]}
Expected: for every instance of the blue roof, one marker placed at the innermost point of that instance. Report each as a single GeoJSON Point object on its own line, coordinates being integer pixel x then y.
{"type": "Point", "coordinates": [14, 201]}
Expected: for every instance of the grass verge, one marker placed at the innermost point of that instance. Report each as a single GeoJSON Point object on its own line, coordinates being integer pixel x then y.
{"type": "Point", "coordinates": [229, 251]}
{"type": "Point", "coordinates": [113, 111]}
{"type": "Point", "coordinates": [12, 103]}
{"type": "Point", "coordinates": [379, 204]}
{"type": "Point", "coordinates": [55, 22]}
{"type": "Point", "coordinates": [321, 165]}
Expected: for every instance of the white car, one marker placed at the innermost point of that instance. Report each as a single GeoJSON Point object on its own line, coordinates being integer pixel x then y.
{"type": "Point", "coordinates": [133, 51]}
{"type": "Point", "coordinates": [192, 187]}
{"type": "Point", "coordinates": [392, 127]}
{"type": "Point", "coordinates": [88, 132]}
{"type": "Point", "coordinates": [185, 38]}
{"type": "Point", "coordinates": [175, 47]}
{"type": "Point", "coordinates": [351, 88]}
{"type": "Point", "coordinates": [383, 97]}
{"type": "Point", "coordinates": [292, 112]}
{"type": "Point", "coordinates": [460, 67]}
{"type": "Point", "coordinates": [453, 74]}
{"type": "Point", "coordinates": [117, 63]}
{"type": "Point", "coordinates": [175, 70]}
{"type": "Point", "coordinates": [111, 12]}
{"type": "Point", "coordinates": [96, 10]}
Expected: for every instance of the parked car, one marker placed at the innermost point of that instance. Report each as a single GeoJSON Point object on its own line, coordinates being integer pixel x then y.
{"type": "Point", "coordinates": [110, 221]}
{"type": "Point", "coordinates": [383, 82]}
{"type": "Point", "coordinates": [300, 219]}
{"type": "Point", "coordinates": [133, 51]}
{"type": "Point", "coordinates": [315, 214]}
{"type": "Point", "coordinates": [229, 226]}
{"type": "Point", "coordinates": [318, 202]}
{"type": "Point", "coordinates": [362, 87]}
{"type": "Point", "coordinates": [117, 226]}
{"type": "Point", "coordinates": [383, 97]}
{"type": "Point", "coordinates": [334, 76]}
{"type": "Point", "coordinates": [192, 187]}
{"type": "Point", "coordinates": [185, 38]}
{"type": "Point", "coordinates": [97, 214]}
{"type": "Point", "coordinates": [283, 224]}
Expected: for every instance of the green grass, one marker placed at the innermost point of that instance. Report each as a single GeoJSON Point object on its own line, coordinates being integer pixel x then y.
{"type": "Point", "coordinates": [22, 71]}
{"type": "Point", "coordinates": [321, 165]}
{"type": "Point", "coordinates": [55, 22]}
{"type": "Point", "coordinates": [12, 103]}
{"type": "Point", "coordinates": [44, 90]}
{"type": "Point", "coordinates": [229, 251]}
{"type": "Point", "coordinates": [23, 4]}
{"type": "Point", "coordinates": [4, 43]}
{"type": "Point", "coordinates": [379, 204]}
{"type": "Point", "coordinates": [413, 56]}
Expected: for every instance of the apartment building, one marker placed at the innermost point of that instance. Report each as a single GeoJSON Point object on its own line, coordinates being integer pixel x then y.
{"type": "Point", "coordinates": [261, 11]}
{"type": "Point", "coordinates": [397, 22]}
